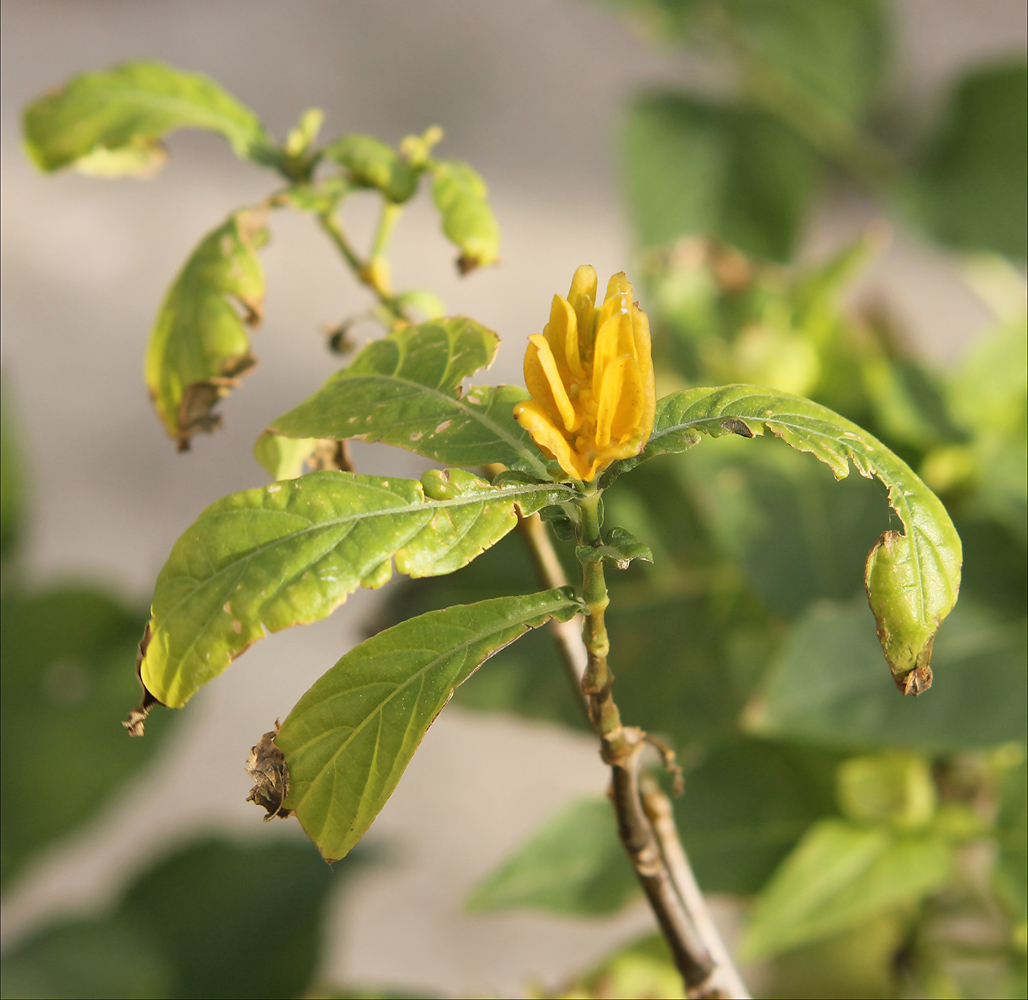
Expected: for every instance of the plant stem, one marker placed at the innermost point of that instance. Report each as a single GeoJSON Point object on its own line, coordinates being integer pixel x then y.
{"type": "Point", "coordinates": [620, 749]}
{"type": "Point", "coordinates": [724, 979]}
{"type": "Point", "coordinates": [372, 274]}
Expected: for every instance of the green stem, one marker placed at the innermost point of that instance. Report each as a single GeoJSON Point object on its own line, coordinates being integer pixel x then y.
{"type": "Point", "coordinates": [391, 213]}
{"type": "Point", "coordinates": [369, 275]}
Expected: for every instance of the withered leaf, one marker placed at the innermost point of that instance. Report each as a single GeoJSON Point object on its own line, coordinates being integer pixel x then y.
{"type": "Point", "coordinates": [267, 766]}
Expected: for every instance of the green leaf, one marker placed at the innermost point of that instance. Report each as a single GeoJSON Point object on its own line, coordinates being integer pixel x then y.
{"type": "Point", "coordinates": [236, 920]}
{"type": "Point", "coordinates": [63, 684]}
{"type": "Point", "coordinates": [971, 186]}
{"type": "Point", "coordinates": [892, 788]}
{"type": "Point", "coordinates": [573, 864]}
{"type": "Point", "coordinates": [12, 485]}
{"type": "Point", "coordinates": [405, 390]}
{"type": "Point", "coordinates": [836, 53]}
{"type": "Point", "coordinates": [213, 919]}
{"type": "Point", "coordinates": [840, 876]}
{"type": "Point", "coordinates": [912, 579]}
{"type": "Point", "coordinates": [1010, 875]}
{"type": "Point", "coordinates": [619, 546]}
{"type": "Point", "coordinates": [199, 347]}
{"type": "Point", "coordinates": [642, 970]}
{"type": "Point", "coordinates": [290, 553]}
{"type": "Point", "coordinates": [823, 688]}
{"type": "Point", "coordinates": [109, 958]}
{"type": "Point", "coordinates": [350, 737]}
{"type": "Point", "coordinates": [468, 221]}
{"type": "Point", "coordinates": [693, 167]}
{"type": "Point", "coordinates": [112, 121]}
{"type": "Point", "coordinates": [371, 163]}
{"type": "Point", "coordinates": [746, 804]}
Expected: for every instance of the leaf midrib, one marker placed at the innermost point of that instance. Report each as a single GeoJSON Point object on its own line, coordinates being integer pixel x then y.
{"type": "Point", "coordinates": [198, 116]}
{"type": "Point", "coordinates": [501, 493]}
{"type": "Point", "coordinates": [440, 657]}
{"type": "Point", "coordinates": [474, 413]}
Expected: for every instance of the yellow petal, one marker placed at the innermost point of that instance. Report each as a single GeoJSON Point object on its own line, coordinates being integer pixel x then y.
{"type": "Point", "coordinates": [582, 299]}
{"type": "Point", "coordinates": [563, 317]}
{"type": "Point", "coordinates": [556, 334]}
{"type": "Point", "coordinates": [620, 402]}
{"type": "Point", "coordinates": [545, 433]}
{"type": "Point", "coordinates": [641, 332]}
{"type": "Point", "coordinates": [557, 393]}
{"type": "Point", "coordinates": [613, 334]}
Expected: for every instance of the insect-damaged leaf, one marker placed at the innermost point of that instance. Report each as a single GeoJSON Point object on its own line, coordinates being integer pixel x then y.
{"type": "Point", "coordinates": [405, 390]}
{"type": "Point", "coordinates": [350, 737]}
{"type": "Point", "coordinates": [111, 122]}
{"type": "Point", "coordinates": [290, 553]}
{"type": "Point", "coordinates": [468, 221]}
{"type": "Point", "coordinates": [912, 579]}
{"type": "Point", "coordinates": [199, 347]}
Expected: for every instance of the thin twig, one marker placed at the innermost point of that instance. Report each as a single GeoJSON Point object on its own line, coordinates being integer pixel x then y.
{"type": "Point", "coordinates": [567, 635]}
{"type": "Point", "coordinates": [724, 978]}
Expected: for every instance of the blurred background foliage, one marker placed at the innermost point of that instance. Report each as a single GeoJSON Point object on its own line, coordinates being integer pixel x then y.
{"type": "Point", "coordinates": [881, 840]}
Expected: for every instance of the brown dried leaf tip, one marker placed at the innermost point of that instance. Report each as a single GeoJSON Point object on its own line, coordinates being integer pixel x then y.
{"type": "Point", "coordinates": [267, 766]}
{"type": "Point", "coordinates": [135, 723]}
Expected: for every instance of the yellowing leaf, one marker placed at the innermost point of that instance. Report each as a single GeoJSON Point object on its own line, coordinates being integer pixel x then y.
{"type": "Point", "coordinates": [199, 347]}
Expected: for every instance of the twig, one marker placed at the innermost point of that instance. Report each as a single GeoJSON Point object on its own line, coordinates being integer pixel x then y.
{"type": "Point", "coordinates": [567, 635]}
{"type": "Point", "coordinates": [724, 979]}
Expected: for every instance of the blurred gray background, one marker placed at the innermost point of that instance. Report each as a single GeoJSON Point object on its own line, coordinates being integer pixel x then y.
{"type": "Point", "coordinates": [529, 93]}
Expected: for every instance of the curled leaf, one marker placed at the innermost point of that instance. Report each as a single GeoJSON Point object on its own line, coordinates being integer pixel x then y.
{"type": "Point", "coordinates": [110, 123]}
{"type": "Point", "coordinates": [199, 348]}
{"type": "Point", "coordinates": [468, 221]}
{"type": "Point", "coordinates": [912, 578]}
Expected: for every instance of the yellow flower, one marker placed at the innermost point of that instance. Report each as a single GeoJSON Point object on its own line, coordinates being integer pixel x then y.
{"type": "Point", "coordinates": [591, 378]}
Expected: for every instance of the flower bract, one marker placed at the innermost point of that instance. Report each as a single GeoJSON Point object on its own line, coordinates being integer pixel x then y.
{"type": "Point", "coordinates": [590, 376]}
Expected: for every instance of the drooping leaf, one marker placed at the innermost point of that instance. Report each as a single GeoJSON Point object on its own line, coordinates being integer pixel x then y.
{"type": "Point", "coordinates": [840, 876]}
{"type": "Point", "coordinates": [972, 183]}
{"type": "Point", "coordinates": [370, 162]}
{"type": "Point", "coordinates": [112, 121]}
{"type": "Point", "coordinates": [350, 737]}
{"type": "Point", "coordinates": [695, 168]}
{"type": "Point", "coordinates": [573, 864]}
{"type": "Point", "coordinates": [468, 221]}
{"type": "Point", "coordinates": [290, 553]}
{"type": "Point", "coordinates": [405, 390]}
{"type": "Point", "coordinates": [199, 347]}
{"type": "Point", "coordinates": [823, 687]}
{"type": "Point", "coordinates": [912, 579]}
{"type": "Point", "coordinates": [62, 683]}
